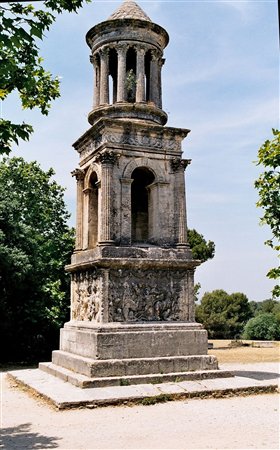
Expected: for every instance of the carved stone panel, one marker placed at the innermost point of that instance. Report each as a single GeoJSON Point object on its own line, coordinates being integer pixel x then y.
{"type": "Point", "coordinates": [145, 295]}
{"type": "Point", "coordinates": [86, 301]}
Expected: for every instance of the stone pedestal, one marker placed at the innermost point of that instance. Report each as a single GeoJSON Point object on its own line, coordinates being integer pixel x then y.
{"type": "Point", "coordinates": [123, 354]}
{"type": "Point", "coordinates": [132, 319]}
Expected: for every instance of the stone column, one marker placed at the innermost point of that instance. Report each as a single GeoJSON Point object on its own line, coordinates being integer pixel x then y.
{"type": "Point", "coordinates": [126, 211]}
{"type": "Point", "coordinates": [121, 95]}
{"type": "Point", "coordinates": [154, 78]}
{"type": "Point", "coordinates": [80, 175]}
{"type": "Point", "coordinates": [96, 95]}
{"type": "Point", "coordinates": [161, 62]}
{"type": "Point", "coordinates": [178, 166]}
{"type": "Point", "coordinates": [140, 75]}
{"type": "Point", "coordinates": [104, 76]}
{"type": "Point", "coordinates": [107, 160]}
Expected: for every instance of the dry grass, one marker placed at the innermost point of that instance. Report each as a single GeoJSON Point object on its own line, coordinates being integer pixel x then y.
{"type": "Point", "coordinates": [244, 354]}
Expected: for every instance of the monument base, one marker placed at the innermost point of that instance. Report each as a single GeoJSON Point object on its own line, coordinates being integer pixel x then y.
{"type": "Point", "coordinates": [123, 354]}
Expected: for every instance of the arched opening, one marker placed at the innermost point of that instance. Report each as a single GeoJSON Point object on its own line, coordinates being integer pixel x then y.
{"type": "Point", "coordinates": [141, 226]}
{"type": "Point", "coordinates": [148, 57]}
{"type": "Point", "coordinates": [131, 75]}
{"type": "Point", "coordinates": [113, 74]}
{"type": "Point", "coordinates": [93, 211]}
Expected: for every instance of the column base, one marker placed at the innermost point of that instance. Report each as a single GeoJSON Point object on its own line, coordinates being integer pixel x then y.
{"type": "Point", "coordinates": [106, 243]}
{"type": "Point", "coordinates": [122, 354]}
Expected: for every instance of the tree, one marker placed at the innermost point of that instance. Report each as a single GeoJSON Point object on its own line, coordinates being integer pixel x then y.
{"type": "Point", "coordinates": [268, 186]}
{"type": "Point", "coordinates": [266, 306]}
{"type": "Point", "coordinates": [201, 249]}
{"type": "Point", "coordinates": [264, 326]}
{"type": "Point", "coordinates": [35, 245]}
{"type": "Point", "coordinates": [21, 70]}
{"type": "Point", "coordinates": [223, 315]}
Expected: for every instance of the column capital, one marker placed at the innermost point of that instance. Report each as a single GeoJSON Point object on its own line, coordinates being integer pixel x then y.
{"type": "Point", "coordinates": [107, 157]}
{"type": "Point", "coordinates": [87, 190]}
{"type": "Point", "coordinates": [126, 181]}
{"type": "Point", "coordinates": [156, 54]}
{"type": "Point", "coordinates": [79, 174]}
{"type": "Point", "coordinates": [179, 164]}
{"type": "Point", "coordinates": [94, 58]}
{"type": "Point", "coordinates": [122, 48]}
{"type": "Point", "coordinates": [141, 49]}
{"type": "Point", "coordinates": [104, 52]}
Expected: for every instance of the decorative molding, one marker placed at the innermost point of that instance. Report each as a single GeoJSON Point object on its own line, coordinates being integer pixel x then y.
{"type": "Point", "coordinates": [144, 162]}
{"type": "Point", "coordinates": [92, 168]}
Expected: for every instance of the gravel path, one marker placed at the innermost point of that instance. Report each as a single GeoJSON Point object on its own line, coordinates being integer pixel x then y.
{"type": "Point", "coordinates": [241, 422]}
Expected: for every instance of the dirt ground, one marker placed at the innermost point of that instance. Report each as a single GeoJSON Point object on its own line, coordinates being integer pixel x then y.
{"type": "Point", "coordinates": [230, 423]}
{"type": "Point", "coordinates": [244, 354]}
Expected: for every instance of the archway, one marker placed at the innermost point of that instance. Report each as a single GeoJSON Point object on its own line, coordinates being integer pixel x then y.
{"type": "Point", "coordinates": [141, 224]}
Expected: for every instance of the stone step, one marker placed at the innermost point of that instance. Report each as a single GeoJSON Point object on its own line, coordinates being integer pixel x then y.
{"type": "Point", "coordinates": [135, 366]}
{"type": "Point", "coordinates": [86, 382]}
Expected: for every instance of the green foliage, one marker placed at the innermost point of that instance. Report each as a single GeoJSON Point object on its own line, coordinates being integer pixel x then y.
{"type": "Point", "coordinates": [223, 315]}
{"type": "Point", "coordinates": [264, 326]}
{"type": "Point", "coordinates": [201, 249]}
{"type": "Point", "coordinates": [266, 306]}
{"type": "Point", "coordinates": [35, 245]}
{"type": "Point", "coordinates": [21, 69]}
{"type": "Point", "coordinates": [268, 186]}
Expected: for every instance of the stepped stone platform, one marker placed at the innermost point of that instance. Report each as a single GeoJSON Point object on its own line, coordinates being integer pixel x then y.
{"type": "Point", "coordinates": [125, 354]}
{"type": "Point", "coordinates": [178, 370]}
{"type": "Point", "coordinates": [242, 380]}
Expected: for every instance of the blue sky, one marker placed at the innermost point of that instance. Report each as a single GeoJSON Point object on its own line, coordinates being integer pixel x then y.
{"type": "Point", "coordinates": [220, 80]}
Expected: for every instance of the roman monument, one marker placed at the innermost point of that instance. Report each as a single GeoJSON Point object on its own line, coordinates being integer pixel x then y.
{"type": "Point", "coordinates": [132, 271]}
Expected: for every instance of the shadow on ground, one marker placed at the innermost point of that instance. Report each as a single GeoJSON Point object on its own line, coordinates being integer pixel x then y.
{"type": "Point", "coordinates": [21, 437]}
{"type": "Point", "coordinates": [256, 375]}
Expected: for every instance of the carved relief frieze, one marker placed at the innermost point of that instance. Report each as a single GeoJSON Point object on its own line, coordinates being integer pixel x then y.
{"type": "Point", "coordinates": [86, 296]}
{"type": "Point", "coordinates": [141, 140]}
{"type": "Point", "coordinates": [88, 147]}
{"type": "Point", "coordinates": [145, 295]}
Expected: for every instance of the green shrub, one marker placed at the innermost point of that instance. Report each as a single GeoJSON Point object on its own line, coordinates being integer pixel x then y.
{"type": "Point", "coordinates": [264, 326]}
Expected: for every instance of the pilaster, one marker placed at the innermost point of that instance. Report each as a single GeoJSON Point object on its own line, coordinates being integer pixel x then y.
{"type": "Point", "coordinates": [178, 166]}
{"type": "Point", "coordinates": [107, 160]}
{"type": "Point", "coordinates": [79, 175]}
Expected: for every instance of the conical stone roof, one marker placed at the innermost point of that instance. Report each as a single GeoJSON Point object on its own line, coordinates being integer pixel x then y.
{"type": "Point", "coordinates": [129, 10]}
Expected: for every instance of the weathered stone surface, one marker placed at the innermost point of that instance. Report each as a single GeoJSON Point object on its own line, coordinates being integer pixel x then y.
{"type": "Point", "coordinates": [86, 382]}
{"type": "Point", "coordinates": [132, 272]}
{"type": "Point", "coordinates": [129, 10]}
{"type": "Point", "coordinates": [141, 340]}
{"type": "Point", "coordinates": [119, 294]}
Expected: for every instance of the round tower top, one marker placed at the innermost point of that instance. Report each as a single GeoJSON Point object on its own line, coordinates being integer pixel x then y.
{"type": "Point", "coordinates": [129, 10]}
{"type": "Point", "coordinates": [127, 55]}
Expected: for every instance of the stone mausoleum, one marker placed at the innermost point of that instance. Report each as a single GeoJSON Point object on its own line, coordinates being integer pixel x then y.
{"type": "Point", "coordinates": [132, 271]}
